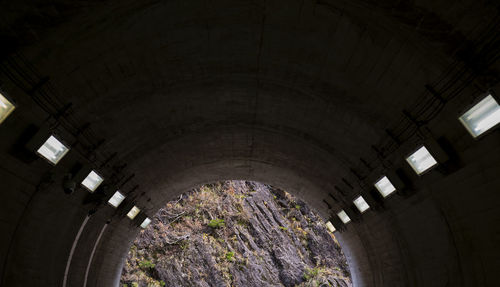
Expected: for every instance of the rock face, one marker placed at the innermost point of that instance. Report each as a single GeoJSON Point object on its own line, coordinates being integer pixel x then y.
{"type": "Point", "coordinates": [236, 233]}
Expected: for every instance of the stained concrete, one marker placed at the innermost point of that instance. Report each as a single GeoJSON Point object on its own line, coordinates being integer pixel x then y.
{"type": "Point", "coordinates": [297, 94]}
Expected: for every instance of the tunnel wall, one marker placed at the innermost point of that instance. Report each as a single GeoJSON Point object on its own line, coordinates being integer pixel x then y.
{"type": "Point", "coordinates": [289, 97]}
{"type": "Point", "coordinates": [444, 234]}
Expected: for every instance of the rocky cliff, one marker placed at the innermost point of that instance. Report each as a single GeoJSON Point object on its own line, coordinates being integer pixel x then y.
{"type": "Point", "coordinates": [236, 233]}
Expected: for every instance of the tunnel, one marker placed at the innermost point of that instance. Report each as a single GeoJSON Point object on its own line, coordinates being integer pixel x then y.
{"type": "Point", "coordinates": [323, 98]}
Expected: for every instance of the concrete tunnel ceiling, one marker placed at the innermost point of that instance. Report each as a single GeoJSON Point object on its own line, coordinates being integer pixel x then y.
{"type": "Point", "coordinates": [305, 95]}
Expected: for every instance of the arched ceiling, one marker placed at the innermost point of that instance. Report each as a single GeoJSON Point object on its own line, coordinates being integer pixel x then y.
{"type": "Point", "coordinates": [333, 72]}
{"type": "Point", "coordinates": [291, 93]}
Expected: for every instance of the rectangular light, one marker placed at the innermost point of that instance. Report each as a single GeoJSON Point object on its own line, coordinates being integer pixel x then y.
{"type": "Point", "coordinates": [145, 223]}
{"type": "Point", "coordinates": [133, 212]}
{"type": "Point", "coordinates": [361, 204]}
{"type": "Point", "coordinates": [344, 217]}
{"type": "Point", "coordinates": [53, 150]}
{"type": "Point", "coordinates": [481, 117]}
{"type": "Point", "coordinates": [116, 199]}
{"type": "Point", "coordinates": [384, 186]}
{"type": "Point", "coordinates": [92, 181]}
{"type": "Point", "coordinates": [6, 108]}
{"type": "Point", "coordinates": [421, 160]}
{"type": "Point", "coordinates": [330, 227]}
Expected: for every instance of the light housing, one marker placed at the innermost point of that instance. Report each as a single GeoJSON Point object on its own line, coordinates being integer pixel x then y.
{"type": "Point", "coordinates": [481, 117]}
{"type": "Point", "coordinates": [53, 150]}
{"type": "Point", "coordinates": [344, 217]}
{"type": "Point", "coordinates": [361, 204]}
{"type": "Point", "coordinates": [385, 186]}
{"type": "Point", "coordinates": [133, 212]}
{"type": "Point", "coordinates": [92, 181]}
{"type": "Point", "coordinates": [146, 222]}
{"type": "Point", "coordinates": [116, 199]}
{"type": "Point", "coordinates": [330, 227]}
{"type": "Point", "coordinates": [6, 108]}
{"type": "Point", "coordinates": [421, 160]}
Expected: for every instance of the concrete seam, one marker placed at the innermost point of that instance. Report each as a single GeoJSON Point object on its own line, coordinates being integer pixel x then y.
{"type": "Point", "coordinates": [92, 254]}
{"type": "Point", "coordinates": [75, 242]}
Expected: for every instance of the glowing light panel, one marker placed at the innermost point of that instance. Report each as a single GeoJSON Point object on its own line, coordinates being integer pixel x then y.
{"type": "Point", "coordinates": [361, 204]}
{"type": "Point", "coordinates": [330, 227]}
{"type": "Point", "coordinates": [145, 223]}
{"type": "Point", "coordinates": [53, 150]}
{"type": "Point", "coordinates": [421, 160]}
{"type": "Point", "coordinates": [6, 108]}
{"type": "Point", "coordinates": [92, 181]}
{"type": "Point", "coordinates": [481, 117]}
{"type": "Point", "coordinates": [116, 199]}
{"type": "Point", "coordinates": [344, 217]}
{"type": "Point", "coordinates": [384, 186]}
{"type": "Point", "coordinates": [133, 212]}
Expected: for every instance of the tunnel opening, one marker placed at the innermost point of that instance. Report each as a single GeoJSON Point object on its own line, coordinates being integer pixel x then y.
{"type": "Point", "coordinates": [236, 233]}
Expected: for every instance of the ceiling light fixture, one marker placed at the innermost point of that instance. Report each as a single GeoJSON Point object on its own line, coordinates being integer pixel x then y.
{"type": "Point", "coordinates": [361, 204]}
{"type": "Point", "coordinates": [6, 107]}
{"type": "Point", "coordinates": [116, 199]}
{"type": "Point", "coordinates": [133, 212]}
{"type": "Point", "coordinates": [482, 117]}
{"type": "Point", "coordinates": [53, 150]}
{"type": "Point", "coordinates": [330, 227]}
{"type": "Point", "coordinates": [146, 222]}
{"type": "Point", "coordinates": [344, 217]}
{"type": "Point", "coordinates": [92, 181]}
{"type": "Point", "coordinates": [385, 186]}
{"type": "Point", "coordinates": [421, 160]}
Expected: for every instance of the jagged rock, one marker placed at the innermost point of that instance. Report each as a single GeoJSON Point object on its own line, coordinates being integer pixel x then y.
{"type": "Point", "coordinates": [236, 233]}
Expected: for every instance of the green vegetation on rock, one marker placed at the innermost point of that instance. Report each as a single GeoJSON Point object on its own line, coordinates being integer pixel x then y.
{"type": "Point", "coordinates": [229, 256]}
{"type": "Point", "coordinates": [146, 264]}
{"type": "Point", "coordinates": [235, 233]}
{"type": "Point", "coordinates": [216, 223]}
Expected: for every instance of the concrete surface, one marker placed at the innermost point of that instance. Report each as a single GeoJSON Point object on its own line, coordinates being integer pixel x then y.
{"type": "Point", "coordinates": [298, 94]}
